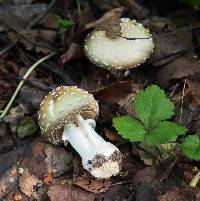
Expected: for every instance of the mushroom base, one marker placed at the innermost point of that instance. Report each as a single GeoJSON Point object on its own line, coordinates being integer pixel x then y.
{"type": "Point", "coordinates": [102, 159]}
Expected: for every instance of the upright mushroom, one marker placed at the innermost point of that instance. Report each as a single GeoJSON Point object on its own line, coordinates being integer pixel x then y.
{"type": "Point", "coordinates": [127, 50]}
{"type": "Point", "coordinates": [67, 114]}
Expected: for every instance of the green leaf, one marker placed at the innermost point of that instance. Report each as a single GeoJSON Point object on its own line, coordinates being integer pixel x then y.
{"type": "Point", "coordinates": [191, 147]}
{"type": "Point", "coordinates": [165, 132]}
{"type": "Point", "coordinates": [152, 106]}
{"type": "Point", "coordinates": [26, 127]}
{"type": "Point", "coordinates": [129, 128]}
{"type": "Point", "coordinates": [65, 24]}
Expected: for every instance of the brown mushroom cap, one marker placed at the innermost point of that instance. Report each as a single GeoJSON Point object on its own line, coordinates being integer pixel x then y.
{"type": "Point", "coordinates": [61, 106]}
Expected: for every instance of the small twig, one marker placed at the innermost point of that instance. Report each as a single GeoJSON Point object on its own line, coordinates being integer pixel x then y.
{"type": "Point", "coordinates": [133, 38]}
{"type": "Point", "coordinates": [182, 100]}
{"type": "Point", "coordinates": [131, 196]}
{"type": "Point", "coordinates": [22, 82]}
{"type": "Point", "coordinates": [122, 182]}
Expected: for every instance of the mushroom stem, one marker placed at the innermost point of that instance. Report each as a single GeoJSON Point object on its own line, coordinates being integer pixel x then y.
{"type": "Point", "coordinates": [99, 157]}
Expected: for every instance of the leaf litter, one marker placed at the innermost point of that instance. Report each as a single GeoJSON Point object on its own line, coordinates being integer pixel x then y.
{"type": "Point", "coordinates": [174, 59]}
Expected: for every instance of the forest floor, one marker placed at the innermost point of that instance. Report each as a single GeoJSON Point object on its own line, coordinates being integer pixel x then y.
{"type": "Point", "coordinates": [33, 169]}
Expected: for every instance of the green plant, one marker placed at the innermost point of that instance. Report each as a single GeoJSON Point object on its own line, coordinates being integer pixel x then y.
{"type": "Point", "coordinates": [192, 2]}
{"type": "Point", "coordinates": [64, 24]}
{"type": "Point", "coordinates": [152, 128]}
{"type": "Point", "coordinates": [191, 147]}
{"type": "Point", "coordinates": [78, 6]}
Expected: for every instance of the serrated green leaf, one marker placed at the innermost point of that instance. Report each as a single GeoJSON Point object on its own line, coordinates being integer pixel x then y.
{"type": "Point", "coordinates": [191, 147]}
{"type": "Point", "coordinates": [129, 128]}
{"type": "Point", "coordinates": [165, 132]}
{"type": "Point", "coordinates": [152, 106]}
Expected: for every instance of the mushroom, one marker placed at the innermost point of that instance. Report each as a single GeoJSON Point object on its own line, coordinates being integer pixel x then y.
{"type": "Point", "coordinates": [127, 50]}
{"type": "Point", "coordinates": [67, 114]}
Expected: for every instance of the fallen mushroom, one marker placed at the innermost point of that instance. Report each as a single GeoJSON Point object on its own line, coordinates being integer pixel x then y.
{"type": "Point", "coordinates": [128, 50]}
{"type": "Point", "coordinates": [67, 114]}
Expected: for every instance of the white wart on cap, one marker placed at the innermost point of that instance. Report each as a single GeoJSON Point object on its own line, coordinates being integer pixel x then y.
{"type": "Point", "coordinates": [118, 52]}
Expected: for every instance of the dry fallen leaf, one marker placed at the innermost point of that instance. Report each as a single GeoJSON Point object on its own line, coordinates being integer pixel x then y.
{"type": "Point", "coordinates": [58, 161]}
{"type": "Point", "coordinates": [113, 14]}
{"type": "Point", "coordinates": [8, 182]}
{"type": "Point", "coordinates": [179, 68]}
{"type": "Point", "coordinates": [74, 51]}
{"type": "Point", "coordinates": [60, 192]}
{"type": "Point", "coordinates": [41, 37]}
{"type": "Point", "coordinates": [143, 184]}
{"type": "Point", "coordinates": [34, 159]}
{"type": "Point", "coordinates": [165, 46]}
{"type": "Point", "coordinates": [27, 184]}
{"type": "Point", "coordinates": [128, 104]}
{"type": "Point", "coordinates": [51, 21]}
{"type": "Point", "coordinates": [193, 85]}
{"type": "Point", "coordinates": [15, 115]}
{"type": "Point", "coordinates": [92, 185]}
{"type": "Point", "coordinates": [111, 135]}
{"type": "Point", "coordinates": [176, 195]}
{"type": "Point", "coordinates": [113, 93]}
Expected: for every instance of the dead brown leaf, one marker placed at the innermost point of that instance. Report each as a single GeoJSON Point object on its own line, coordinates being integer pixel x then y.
{"type": "Point", "coordinates": [8, 182]}
{"type": "Point", "coordinates": [135, 9]}
{"type": "Point", "coordinates": [35, 159]}
{"type": "Point", "coordinates": [165, 45]}
{"type": "Point", "coordinates": [116, 193]}
{"type": "Point", "coordinates": [114, 92]}
{"type": "Point", "coordinates": [128, 104]}
{"type": "Point", "coordinates": [115, 13]}
{"type": "Point", "coordinates": [193, 85]}
{"type": "Point", "coordinates": [44, 39]}
{"type": "Point", "coordinates": [111, 135]}
{"type": "Point", "coordinates": [15, 115]}
{"type": "Point", "coordinates": [92, 185]}
{"type": "Point", "coordinates": [73, 52]}
{"type": "Point", "coordinates": [27, 184]}
{"type": "Point", "coordinates": [109, 22]}
{"type": "Point", "coordinates": [143, 183]}
{"type": "Point", "coordinates": [60, 192]}
{"type": "Point", "coordinates": [51, 21]}
{"type": "Point", "coordinates": [177, 195]}
{"type": "Point", "coordinates": [58, 161]}
{"type": "Point", "coordinates": [179, 68]}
